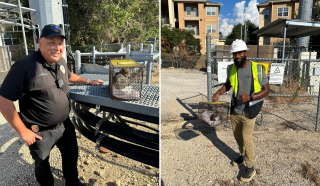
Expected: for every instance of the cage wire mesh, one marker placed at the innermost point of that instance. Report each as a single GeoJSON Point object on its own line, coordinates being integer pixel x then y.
{"type": "Point", "coordinates": [125, 79]}
{"type": "Point", "coordinates": [212, 114]}
{"type": "Point", "coordinates": [290, 105]}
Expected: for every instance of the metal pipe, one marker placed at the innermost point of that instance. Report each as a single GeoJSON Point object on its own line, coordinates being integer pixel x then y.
{"type": "Point", "coordinates": [149, 64]}
{"type": "Point", "coordinates": [77, 62]}
{"type": "Point", "coordinates": [318, 111]}
{"type": "Point", "coordinates": [150, 49]}
{"type": "Point", "coordinates": [17, 24]}
{"type": "Point", "coordinates": [284, 42]}
{"type": "Point", "coordinates": [106, 54]}
{"type": "Point", "coordinates": [257, 46]}
{"type": "Point", "coordinates": [23, 32]}
{"type": "Point", "coordinates": [128, 50]}
{"type": "Point", "coordinates": [209, 71]}
{"type": "Point", "coordinates": [94, 54]}
{"type": "Point", "coordinates": [141, 47]}
{"type": "Point", "coordinates": [148, 72]}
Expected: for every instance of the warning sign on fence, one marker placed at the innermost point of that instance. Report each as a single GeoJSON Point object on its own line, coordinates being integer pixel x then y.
{"type": "Point", "coordinates": [222, 71]}
{"type": "Point", "coordinates": [276, 73]}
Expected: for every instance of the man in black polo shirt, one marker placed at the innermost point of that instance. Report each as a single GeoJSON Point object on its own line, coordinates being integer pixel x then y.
{"type": "Point", "coordinates": [40, 82]}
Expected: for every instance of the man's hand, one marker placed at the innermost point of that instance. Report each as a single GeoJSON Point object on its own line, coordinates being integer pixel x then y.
{"type": "Point", "coordinates": [216, 95]}
{"type": "Point", "coordinates": [244, 97]}
{"type": "Point", "coordinates": [96, 82]}
{"type": "Point", "coordinates": [29, 136]}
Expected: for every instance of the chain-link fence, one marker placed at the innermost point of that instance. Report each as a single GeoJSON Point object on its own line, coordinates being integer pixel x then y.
{"type": "Point", "coordinates": [294, 85]}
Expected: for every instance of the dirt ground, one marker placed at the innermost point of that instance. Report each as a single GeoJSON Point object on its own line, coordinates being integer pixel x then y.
{"type": "Point", "coordinates": [198, 155]}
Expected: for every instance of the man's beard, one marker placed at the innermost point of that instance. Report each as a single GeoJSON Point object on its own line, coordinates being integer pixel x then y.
{"type": "Point", "coordinates": [241, 63]}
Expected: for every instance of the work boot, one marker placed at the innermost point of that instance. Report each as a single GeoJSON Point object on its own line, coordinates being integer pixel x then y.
{"type": "Point", "coordinates": [248, 174]}
{"type": "Point", "coordinates": [238, 161]}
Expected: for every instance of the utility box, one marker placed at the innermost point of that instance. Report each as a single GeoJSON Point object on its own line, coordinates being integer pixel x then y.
{"type": "Point", "coordinates": [125, 79]}
{"type": "Point", "coordinates": [212, 114]}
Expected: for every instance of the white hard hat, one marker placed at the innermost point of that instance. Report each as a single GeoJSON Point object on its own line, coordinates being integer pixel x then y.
{"type": "Point", "coordinates": [238, 45]}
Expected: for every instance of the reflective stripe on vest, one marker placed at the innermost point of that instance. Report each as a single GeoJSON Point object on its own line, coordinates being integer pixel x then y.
{"type": "Point", "coordinates": [256, 75]}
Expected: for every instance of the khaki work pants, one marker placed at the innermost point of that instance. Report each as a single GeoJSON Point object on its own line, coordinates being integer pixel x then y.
{"type": "Point", "coordinates": [242, 128]}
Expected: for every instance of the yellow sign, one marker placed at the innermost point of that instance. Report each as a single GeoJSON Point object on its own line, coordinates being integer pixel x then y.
{"type": "Point", "coordinates": [266, 66]}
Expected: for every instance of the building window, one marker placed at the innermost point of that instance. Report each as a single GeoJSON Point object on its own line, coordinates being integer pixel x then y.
{"type": "Point", "coordinates": [188, 10]}
{"type": "Point", "coordinates": [211, 29]}
{"type": "Point", "coordinates": [211, 11]}
{"type": "Point", "coordinates": [189, 27]}
{"type": "Point", "coordinates": [283, 11]}
{"type": "Point", "coordinates": [196, 30]}
{"type": "Point", "coordinates": [266, 14]}
{"type": "Point", "coordinates": [195, 12]}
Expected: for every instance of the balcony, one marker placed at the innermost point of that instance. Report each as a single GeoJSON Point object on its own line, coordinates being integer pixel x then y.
{"type": "Point", "coordinates": [191, 18]}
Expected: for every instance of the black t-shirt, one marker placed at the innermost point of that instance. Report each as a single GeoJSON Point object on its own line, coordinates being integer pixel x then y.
{"type": "Point", "coordinates": [33, 82]}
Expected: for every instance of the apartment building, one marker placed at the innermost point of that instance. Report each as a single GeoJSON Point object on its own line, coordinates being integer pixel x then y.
{"type": "Point", "coordinates": [272, 10]}
{"type": "Point", "coordinates": [198, 15]}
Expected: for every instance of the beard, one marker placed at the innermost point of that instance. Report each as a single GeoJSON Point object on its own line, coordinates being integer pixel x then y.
{"type": "Point", "coordinates": [241, 63]}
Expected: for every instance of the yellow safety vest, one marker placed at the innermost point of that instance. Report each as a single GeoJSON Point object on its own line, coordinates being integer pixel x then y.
{"type": "Point", "coordinates": [255, 74]}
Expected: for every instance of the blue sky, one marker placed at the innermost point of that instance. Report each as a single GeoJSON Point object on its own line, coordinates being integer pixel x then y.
{"type": "Point", "coordinates": [233, 12]}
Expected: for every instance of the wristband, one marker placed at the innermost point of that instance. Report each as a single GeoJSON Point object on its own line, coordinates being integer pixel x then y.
{"type": "Point", "coordinates": [88, 81]}
{"type": "Point", "coordinates": [251, 98]}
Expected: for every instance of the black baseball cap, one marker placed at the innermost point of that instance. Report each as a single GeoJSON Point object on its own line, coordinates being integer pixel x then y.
{"type": "Point", "coordinates": [52, 30]}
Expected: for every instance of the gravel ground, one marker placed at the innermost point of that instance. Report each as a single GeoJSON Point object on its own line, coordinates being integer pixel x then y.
{"type": "Point", "coordinates": [197, 155]}
{"type": "Point", "coordinates": [95, 168]}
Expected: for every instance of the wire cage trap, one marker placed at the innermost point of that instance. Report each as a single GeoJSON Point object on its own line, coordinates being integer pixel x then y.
{"type": "Point", "coordinates": [212, 114]}
{"type": "Point", "coordinates": [125, 79]}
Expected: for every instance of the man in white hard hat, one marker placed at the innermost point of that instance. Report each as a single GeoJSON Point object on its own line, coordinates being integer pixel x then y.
{"type": "Point", "coordinates": [250, 85]}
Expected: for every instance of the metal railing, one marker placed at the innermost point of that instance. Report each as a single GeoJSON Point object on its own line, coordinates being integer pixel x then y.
{"type": "Point", "coordinates": [144, 57]}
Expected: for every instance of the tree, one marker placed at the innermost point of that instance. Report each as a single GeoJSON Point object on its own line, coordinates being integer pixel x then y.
{"type": "Point", "coordinates": [172, 37]}
{"type": "Point", "coordinates": [92, 21]}
{"type": "Point", "coordinates": [236, 33]}
{"type": "Point", "coordinates": [220, 35]}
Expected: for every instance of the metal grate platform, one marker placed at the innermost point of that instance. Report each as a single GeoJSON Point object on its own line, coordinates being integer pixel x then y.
{"type": "Point", "coordinates": [147, 105]}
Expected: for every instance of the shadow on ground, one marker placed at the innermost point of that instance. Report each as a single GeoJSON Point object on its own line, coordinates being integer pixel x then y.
{"type": "Point", "coordinates": [187, 132]}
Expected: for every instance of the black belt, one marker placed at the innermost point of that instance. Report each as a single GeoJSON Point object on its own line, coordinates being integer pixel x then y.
{"type": "Point", "coordinates": [37, 128]}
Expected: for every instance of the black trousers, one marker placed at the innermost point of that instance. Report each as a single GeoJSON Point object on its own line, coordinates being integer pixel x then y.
{"type": "Point", "coordinates": [64, 138]}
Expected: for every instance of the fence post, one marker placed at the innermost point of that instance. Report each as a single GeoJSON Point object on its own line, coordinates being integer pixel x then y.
{"type": "Point", "coordinates": [209, 71]}
{"type": "Point", "coordinates": [128, 51]}
{"type": "Point", "coordinates": [155, 44]}
{"type": "Point", "coordinates": [78, 62]}
{"type": "Point", "coordinates": [94, 54]}
{"type": "Point", "coordinates": [141, 47]}
{"type": "Point", "coordinates": [150, 51]}
{"type": "Point", "coordinates": [318, 109]}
